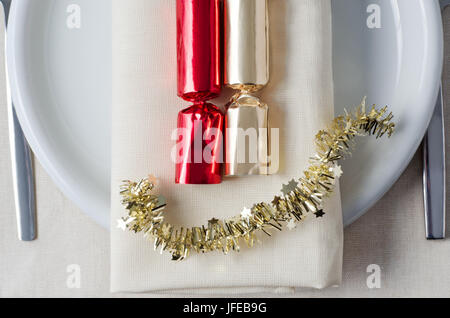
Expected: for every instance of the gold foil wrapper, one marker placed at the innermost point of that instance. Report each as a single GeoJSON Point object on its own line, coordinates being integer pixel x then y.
{"type": "Point", "coordinates": [247, 70]}
{"type": "Point", "coordinates": [246, 44]}
{"type": "Point", "coordinates": [247, 137]}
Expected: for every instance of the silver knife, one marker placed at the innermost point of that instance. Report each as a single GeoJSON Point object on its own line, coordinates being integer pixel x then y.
{"type": "Point", "coordinates": [434, 169]}
{"type": "Point", "coordinates": [22, 165]}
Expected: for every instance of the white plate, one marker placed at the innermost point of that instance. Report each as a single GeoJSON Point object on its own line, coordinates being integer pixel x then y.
{"type": "Point", "coordinates": [61, 85]}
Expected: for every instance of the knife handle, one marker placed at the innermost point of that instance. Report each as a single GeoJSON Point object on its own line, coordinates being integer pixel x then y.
{"type": "Point", "coordinates": [23, 179]}
{"type": "Point", "coordinates": [434, 174]}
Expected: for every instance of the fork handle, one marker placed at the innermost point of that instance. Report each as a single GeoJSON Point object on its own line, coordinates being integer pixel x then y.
{"type": "Point", "coordinates": [23, 179]}
{"type": "Point", "coordinates": [22, 164]}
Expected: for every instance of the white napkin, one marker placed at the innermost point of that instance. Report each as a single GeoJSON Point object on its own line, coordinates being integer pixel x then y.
{"type": "Point", "coordinates": [145, 107]}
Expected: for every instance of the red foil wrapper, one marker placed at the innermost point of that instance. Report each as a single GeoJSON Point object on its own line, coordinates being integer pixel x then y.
{"type": "Point", "coordinates": [200, 127]}
{"type": "Point", "coordinates": [198, 49]}
{"type": "Point", "coordinates": [199, 145]}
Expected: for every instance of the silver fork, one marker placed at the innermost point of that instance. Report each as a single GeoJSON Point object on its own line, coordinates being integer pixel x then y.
{"type": "Point", "coordinates": [22, 165]}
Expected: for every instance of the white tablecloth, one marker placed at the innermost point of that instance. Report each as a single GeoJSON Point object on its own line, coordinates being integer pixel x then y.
{"type": "Point", "coordinates": [390, 235]}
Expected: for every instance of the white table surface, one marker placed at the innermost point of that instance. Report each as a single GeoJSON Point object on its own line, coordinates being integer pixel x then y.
{"type": "Point", "coordinates": [391, 235]}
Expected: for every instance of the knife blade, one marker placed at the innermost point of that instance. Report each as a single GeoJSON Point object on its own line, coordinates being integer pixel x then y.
{"type": "Point", "coordinates": [22, 164]}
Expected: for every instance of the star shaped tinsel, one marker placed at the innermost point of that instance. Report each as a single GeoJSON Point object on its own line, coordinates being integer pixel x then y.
{"type": "Point", "coordinates": [291, 224]}
{"type": "Point", "coordinates": [213, 221]}
{"type": "Point", "coordinates": [288, 188]}
{"type": "Point", "coordinates": [153, 180]}
{"type": "Point", "coordinates": [337, 170]}
{"type": "Point", "coordinates": [122, 224]}
{"type": "Point", "coordinates": [319, 214]}
{"type": "Point", "coordinates": [276, 200]}
{"type": "Point", "coordinates": [246, 213]}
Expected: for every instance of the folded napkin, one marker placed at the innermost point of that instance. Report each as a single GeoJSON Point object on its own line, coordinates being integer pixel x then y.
{"type": "Point", "coordinates": [145, 107]}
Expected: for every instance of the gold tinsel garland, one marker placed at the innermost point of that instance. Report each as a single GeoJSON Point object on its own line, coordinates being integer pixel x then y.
{"type": "Point", "coordinates": [300, 198]}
